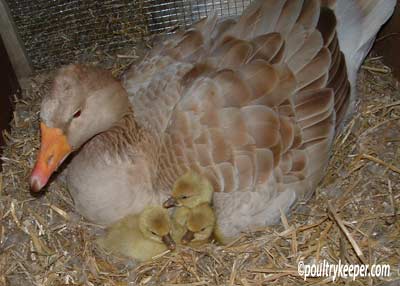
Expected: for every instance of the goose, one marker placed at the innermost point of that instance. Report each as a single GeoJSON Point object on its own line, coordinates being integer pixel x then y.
{"type": "Point", "coordinates": [140, 236]}
{"type": "Point", "coordinates": [190, 190]}
{"type": "Point", "coordinates": [252, 103]}
{"type": "Point", "coordinates": [193, 226]}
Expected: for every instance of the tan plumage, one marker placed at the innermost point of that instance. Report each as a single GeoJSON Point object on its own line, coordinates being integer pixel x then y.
{"type": "Point", "coordinates": [252, 104]}
{"type": "Point", "coordinates": [140, 236]}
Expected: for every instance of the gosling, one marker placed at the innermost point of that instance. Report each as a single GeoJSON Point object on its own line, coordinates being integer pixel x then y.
{"type": "Point", "coordinates": [190, 190]}
{"type": "Point", "coordinates": [140, 236]}
{"type": "Point", "coordinates": [193, 226]}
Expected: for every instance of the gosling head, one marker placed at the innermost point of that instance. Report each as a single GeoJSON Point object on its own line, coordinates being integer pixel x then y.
{"type": "Point", "coordinates": [190, 190]}
{"type": "Point", "coordinates": [154, 223]}
{"type": "Point", "coordinates": [200, 224]}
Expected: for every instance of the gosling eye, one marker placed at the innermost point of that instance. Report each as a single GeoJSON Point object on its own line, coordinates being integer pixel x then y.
{"type": "Point", "coordinates": [184, 197]}
{"type": "Point", "coordinates": [203, 229]}
{"type": "Point", "coordinates": [153, 233]}
{"type": "Point", "coordinates": [77, 113]}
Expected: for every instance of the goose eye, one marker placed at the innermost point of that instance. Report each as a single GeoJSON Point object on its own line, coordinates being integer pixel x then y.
{"type": "Point", "coordinates": [77, 114]}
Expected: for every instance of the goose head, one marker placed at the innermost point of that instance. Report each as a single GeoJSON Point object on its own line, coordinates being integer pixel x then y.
{"type": "Point", "coordinates": [83, 102]}
{"type": "Point", "coordinates": [200, 222]}
{"type": "Point", "coordinates": [190, 190]}
{"type": "Point", "coordinates": [154, 223]}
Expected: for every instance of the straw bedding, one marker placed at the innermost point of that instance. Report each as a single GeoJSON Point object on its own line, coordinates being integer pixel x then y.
{"type": "Point", "coordinates": [353, 216]}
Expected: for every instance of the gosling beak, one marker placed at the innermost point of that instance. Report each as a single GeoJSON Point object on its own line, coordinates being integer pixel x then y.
{"type": "Point", "coordinates": [54, 148]}
{"type": "Point", "coordinates": [169, 242]}
{"type": "Point", "coordinates": [187, 237]}
{"type": "Point", "coordinates": [171, 202]}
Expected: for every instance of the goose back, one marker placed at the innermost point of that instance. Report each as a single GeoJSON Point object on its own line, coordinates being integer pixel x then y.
{"type": "Point", "coordinates": [252, 103]}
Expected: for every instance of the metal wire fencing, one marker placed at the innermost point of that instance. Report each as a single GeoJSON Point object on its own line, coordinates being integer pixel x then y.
{"type": "Point", "coordinates": [57, 32]}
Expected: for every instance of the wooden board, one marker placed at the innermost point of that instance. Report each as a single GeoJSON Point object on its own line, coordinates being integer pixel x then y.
{"type": "Point", "coordinates": [13, 44]}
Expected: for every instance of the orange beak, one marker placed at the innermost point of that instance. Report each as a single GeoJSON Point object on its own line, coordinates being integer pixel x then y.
{"type": "Point", "coordinates": [54, 148]}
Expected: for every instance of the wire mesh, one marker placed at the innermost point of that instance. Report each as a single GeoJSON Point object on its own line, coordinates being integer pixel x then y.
{"type": "Point", "coordinates": [165, 15]}
{"type": "Point", "coordinates": [57, 32]}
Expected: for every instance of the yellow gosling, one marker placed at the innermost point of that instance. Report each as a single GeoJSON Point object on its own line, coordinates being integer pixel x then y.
{"type": "Point", "coordinates": [190, 190]}
{"type": "Point", "coordinates": [193, 226]}
{"type": "Point", "coordinates": [140, 236]}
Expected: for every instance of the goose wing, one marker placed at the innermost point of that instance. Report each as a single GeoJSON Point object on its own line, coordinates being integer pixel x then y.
{"type": "Point", "coordinates": [258, 110]}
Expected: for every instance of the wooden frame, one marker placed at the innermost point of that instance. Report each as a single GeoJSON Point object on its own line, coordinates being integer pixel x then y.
{"type": "Point", "coordinates": [13, 44]}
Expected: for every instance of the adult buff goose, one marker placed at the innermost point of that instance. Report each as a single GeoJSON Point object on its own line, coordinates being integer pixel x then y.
{"type": "Point", "coordinates": [251, 103]}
